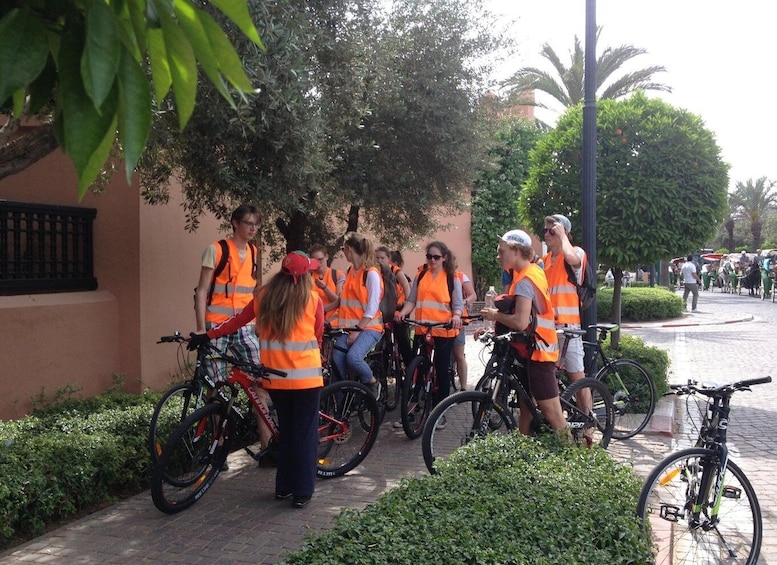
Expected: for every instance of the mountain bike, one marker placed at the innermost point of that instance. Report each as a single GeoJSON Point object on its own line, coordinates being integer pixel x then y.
{"type": "Point", "coordinates": [697, 505]}
{"type": "Point", "coordinates": [393, 368]}
{"type": "Point", "coordinates": [633, 391]}
{"type": "Point", "coordinates": [375, 359]}
{"type": "Point", "coordinates": [466, 416]}
{"type": "Point", "coordinates": [193, 455]}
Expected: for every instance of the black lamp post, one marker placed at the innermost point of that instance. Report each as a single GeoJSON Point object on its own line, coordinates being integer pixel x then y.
{"type": "Point", "coordinates": [588, 204]}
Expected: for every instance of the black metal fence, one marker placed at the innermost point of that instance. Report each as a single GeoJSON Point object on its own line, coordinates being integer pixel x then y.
{"type": "Point", "coordinates": [45, 248]}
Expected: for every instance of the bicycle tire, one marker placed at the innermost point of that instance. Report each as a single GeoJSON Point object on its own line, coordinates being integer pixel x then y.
{"type": "Point", "coordinates": [633, 394]}
{"type": "Point", "coordinates": [664, 507]}
{"type": "Point", "coordinates": [173, 407]}
{"type": "Point", "coordinates": [468, 415]}
{"type": "Point", "coordinates": [416, 403]}
{"type": "Point", "coordinates": [393, 368]}
{"type": "Point", "coordinates": [347, 429]}
{"type": "Point", "coordinates": [191, 460]}
{"type": "Point", "coordinates": [507, 397]}
{"type": "Point", "coordinates": [376, 366]}
{"type": "Point", "coordinates": [597, 425]}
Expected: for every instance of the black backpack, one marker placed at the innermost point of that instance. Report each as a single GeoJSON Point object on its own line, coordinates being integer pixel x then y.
{"type": "Point", "coordinates": [586, 290]}
{"type": "Point", "coordinates": [388, 302]}
{"type": "Point", "coordinates": [223, 263]}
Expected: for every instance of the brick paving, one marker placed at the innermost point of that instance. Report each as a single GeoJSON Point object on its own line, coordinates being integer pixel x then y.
{"type": "Point", "coordinates": [238, 521]}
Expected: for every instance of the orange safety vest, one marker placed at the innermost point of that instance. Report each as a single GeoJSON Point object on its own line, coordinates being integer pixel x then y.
{"type": "Point", "coordinates": [563, 293]}
{"type": "Point", "coordinates": [299, 355]}
{"type": "Point", "coordinates": [331, 316]}
{"type": "Point", "coordinates": [433, 303]}
{"type": "Point", "coordinates": [354, 298]}
{"type": "Point", "coordinates": [546, 326]}
{"type": "Point", "coordinates": [233, 289]}
{"type": "Point", "coordinates": [401, 298]}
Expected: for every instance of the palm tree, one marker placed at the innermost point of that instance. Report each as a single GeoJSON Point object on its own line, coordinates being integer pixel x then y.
{"type": "Point", "coordinates": [753, 201]}
{"type": "Point", "coordinates": [567, 85]}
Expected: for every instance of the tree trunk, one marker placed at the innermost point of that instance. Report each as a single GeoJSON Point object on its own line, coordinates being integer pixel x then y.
{"type": "Point", "coordinates": [22, 151]}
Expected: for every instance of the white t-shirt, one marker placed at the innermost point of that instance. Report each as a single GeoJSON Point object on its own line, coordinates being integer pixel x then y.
{"type": "Point", "coordinates": [688, 270]}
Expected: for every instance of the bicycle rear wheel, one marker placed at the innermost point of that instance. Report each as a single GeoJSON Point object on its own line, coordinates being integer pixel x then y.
{"type": "Point", "coordinates": [416, 403]}
{"type": "Point", "coordinates": [348, 423]}
{"type": "Point", "coordinates": [393, 368]}
{"type": "Point", "coordinates": [191, 460]}
{"type": "Point", "coordinates": [172, 409]}
{"type": "Point", "coordinates": [633, 394]}
{"type": "Point", "coordinates": [459, 419]}
{"type": "Point", "coordinates": [678, 537]}
{"type": "Point", "coordinates": [592, 426]}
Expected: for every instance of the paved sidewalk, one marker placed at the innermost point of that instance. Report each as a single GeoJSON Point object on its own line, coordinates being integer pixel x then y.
{"type": "Point", "coordinates": [238, 521]}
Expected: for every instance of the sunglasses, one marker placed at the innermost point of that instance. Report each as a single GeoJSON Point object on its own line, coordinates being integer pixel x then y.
{"type": "Point", "coordinates": [548, 230]}
{"type": "Point", "coordinates": [429, 257]}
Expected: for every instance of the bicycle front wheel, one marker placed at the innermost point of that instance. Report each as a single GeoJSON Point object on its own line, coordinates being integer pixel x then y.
{"type": "Point", "coordinates": [460, 419]}
{"type": "Point", "coordinates": [191, 460]}
{"type": "Point", "coordinates": [172, 409]}
{"type": "Point", "coordinates": [416, 400]}
{"type": "Point", "coordinates": [589, 412]}
{"type": "Point", "coordinates": [633, 394]}
{"type": "Point", "coordinates": [348, 423]}
{"type": "Point", "coordinates": [393, 380]}
{"type": "Point", "coordinates": [725, 531]}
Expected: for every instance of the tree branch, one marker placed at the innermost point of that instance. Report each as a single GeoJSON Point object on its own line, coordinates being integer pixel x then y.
{"type": "Point", "coordinates": [26, 149]}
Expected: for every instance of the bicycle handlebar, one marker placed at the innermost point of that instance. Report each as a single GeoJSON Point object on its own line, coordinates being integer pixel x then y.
{"type": "Point", "coordinates": [692, 387]}
{"type": "Point", "coordinates": [509, 336]}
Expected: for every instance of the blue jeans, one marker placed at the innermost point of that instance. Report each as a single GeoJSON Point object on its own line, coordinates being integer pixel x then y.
{"type": "Point", "coordinates": [353, 360]}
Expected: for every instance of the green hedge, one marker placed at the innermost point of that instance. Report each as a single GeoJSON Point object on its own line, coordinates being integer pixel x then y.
{"type": "Point", "coordinates": [507, 499]}
{"type": "Point", "coordinates": [653, 359]}
{"type": "Point", "coordinates": [70, 457]}
{"type": "Point", "coordinates": [640, 304]}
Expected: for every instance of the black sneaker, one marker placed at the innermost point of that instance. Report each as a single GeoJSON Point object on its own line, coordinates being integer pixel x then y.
{"type": "Point", "coordinates": [282, 495]}
{"type": "Point", "coordinates": [301, 501]}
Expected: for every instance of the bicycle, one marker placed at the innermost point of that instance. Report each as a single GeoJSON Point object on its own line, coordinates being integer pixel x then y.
{"type": "Point", "coordinates": [193, 456]}
{"type": "Point", "coordinates": [633, 391]}
{"type": "Point", "coordinates": [420, 382]}
{"type": "Point", "coordinates": [374, 359]}
{"type": "Point", "coordinates": [393, 368]}
{"type": "Point", "coordinates": [468, 415]}
{"type": "Point", "coordinates": [698, 506]}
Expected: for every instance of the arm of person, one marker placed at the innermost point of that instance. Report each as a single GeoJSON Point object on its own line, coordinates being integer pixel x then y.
{"type": "Point", "coordinates": [230, 326]}
{"type": "Point", "coordinates": [201, 298]}
{"type": "Point", "coordinates": [318, 325]}
{"type": "Point", "coordinates": [469, 292]}
{"type": "Point", "coordinates": [409, 305]}
{"type": "Point", "coordinates": [519, 320]}
{"type": "Point", "coordinates": [457, 304]}
{"type": "Point", "coordinates": [402, 280]}
{"type": "Point", "coordinates": [569, 251]}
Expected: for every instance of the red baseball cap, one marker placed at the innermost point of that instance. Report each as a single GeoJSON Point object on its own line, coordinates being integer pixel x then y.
{"type": "Point", "coordinates": [298, 263]}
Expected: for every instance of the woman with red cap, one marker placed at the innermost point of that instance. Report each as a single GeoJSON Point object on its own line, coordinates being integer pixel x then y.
{"type": "Point", "coordinates": [290, 325]}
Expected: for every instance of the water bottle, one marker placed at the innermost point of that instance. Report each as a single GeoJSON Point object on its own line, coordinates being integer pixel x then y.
{"type": "Point", "coordinates": [490, 296]}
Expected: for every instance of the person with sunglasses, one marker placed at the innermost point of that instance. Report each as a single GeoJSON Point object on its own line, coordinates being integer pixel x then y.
{"type": "Point", "coordinates": [327, 283]}
{"type": "Point", "coordinates": [436, 296]}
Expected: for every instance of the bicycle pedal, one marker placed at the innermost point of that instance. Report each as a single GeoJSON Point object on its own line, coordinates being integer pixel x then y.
{"type": "Point", "coordinates": [732, 492]}
{"type": "Point", "coordinates": [670, 513]}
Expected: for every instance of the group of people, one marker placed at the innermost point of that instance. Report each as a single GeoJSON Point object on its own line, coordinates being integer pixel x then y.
{"type": "Point", "coordinates": [283, 321]}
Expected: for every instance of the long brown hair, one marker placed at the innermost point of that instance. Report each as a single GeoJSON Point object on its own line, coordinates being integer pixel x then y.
{"type": "Point", "coordinates": [362, 246]}
{"type": "Point", "coordinates": [281, 304]}
{"type": "Point", "coordinates": [450, 261]}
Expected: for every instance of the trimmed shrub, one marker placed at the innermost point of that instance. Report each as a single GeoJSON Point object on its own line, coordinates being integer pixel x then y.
{"type": "Point", "coordinates": [653, 359]}
{"type": "Point", "coordinates": [506, 499]}
{"type": "Point", "coordinates": [640, 304]}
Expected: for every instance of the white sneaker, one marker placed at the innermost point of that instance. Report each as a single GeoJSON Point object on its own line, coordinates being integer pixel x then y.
{"type": "Point", "coordinates": [695, 311]}
{"type": "Point", "coordinates": [441, 423]}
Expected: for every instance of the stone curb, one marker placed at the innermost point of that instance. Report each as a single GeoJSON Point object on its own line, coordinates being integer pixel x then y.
{"type": "Point", "coordinates": [687, 324]}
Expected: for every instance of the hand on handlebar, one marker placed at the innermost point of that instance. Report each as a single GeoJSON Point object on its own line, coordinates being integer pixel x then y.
{"type": "Point", "coordinates": [195, 340]}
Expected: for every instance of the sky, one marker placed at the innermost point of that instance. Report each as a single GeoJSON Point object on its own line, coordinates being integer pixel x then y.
{"type": "Point", "coordinates": [719, 56]}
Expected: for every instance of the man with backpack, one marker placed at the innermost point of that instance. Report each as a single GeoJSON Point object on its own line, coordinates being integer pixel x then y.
{"type": "Point", "coordinates": [564, 292]}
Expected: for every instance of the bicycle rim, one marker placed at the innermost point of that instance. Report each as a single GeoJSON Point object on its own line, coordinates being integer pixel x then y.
{"type": "Point", "coordinates": [348, 424]}
{"type": "Point", "coordinates": [633, 394]}
{"type": "Point", "coordinates": [191, 460]}
{"type": "Point", "coordinates": [467, 416]}
{"type": "Point", "coordinates": [665, 506]}
{"type": "Point", "coordinates": [592, 425]}
{"type": "Point", "coordinates": [172, 409]}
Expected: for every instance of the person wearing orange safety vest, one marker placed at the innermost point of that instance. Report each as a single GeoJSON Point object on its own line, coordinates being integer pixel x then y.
{"type": "Point", "coordinates": [290, 323]}
{"type": "Point", "coordinates": [532, 297]}
{"type": "Point", "coordinates": [563, 295]}
{"type": "Point", "coordinates": [327, 283]}
{"type": "Point", "coordinates": [400, 329]}
{"type": "Point", "coordinates": [234, 287]}
{"type": "Point", "coordinates": [436, 296]}
{"type": "Point", "coordinates": [360, 309]}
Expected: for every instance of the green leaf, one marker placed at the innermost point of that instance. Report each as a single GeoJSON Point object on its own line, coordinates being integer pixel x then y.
{"type": "Point", "coordinates": [229, 61]}
{"type": "Point", "coordinates": [160, 66]}
{"type": "Point", "coordinates": [97, 159]}
{"type": "Point", "coordinates": [84, 128]}
{"type": "Point", "coordinates": [183, 68]}
{"type": "Point", "coordinates": [189, 18]}
{"type": "Point", "coordinates": [101, 53]}
{"type": "Point", "coordinates": [23, 50]}
{"type": "Point", "coordinates": [134, 110]}
{"type": "Point", "coordinates": [237, 11]}
{"type": "Point", "coordinates": [42, 87]}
